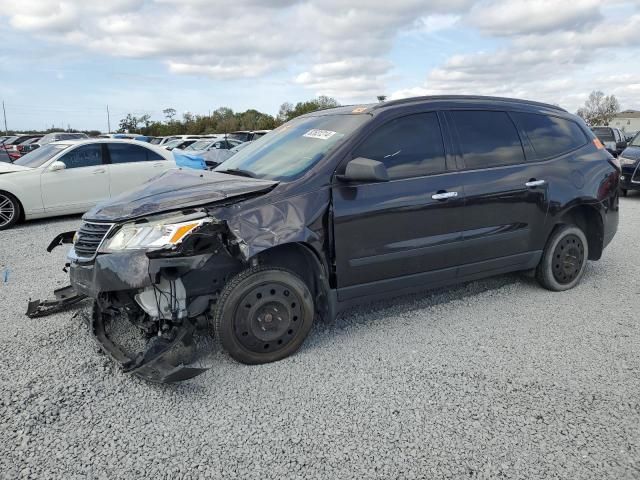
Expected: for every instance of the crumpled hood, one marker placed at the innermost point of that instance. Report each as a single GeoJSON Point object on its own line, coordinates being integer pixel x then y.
{"type": "Point", "coordinates": [176, 189]}
{"type": "Point", "coordinates": [10, 167]}
{"type": "Point", "coordinates": [632, 153]}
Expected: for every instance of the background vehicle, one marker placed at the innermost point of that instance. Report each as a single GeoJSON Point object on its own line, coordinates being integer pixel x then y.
{"type": "Point", "coordinates": [57, 136]}
{"type": "Point", "coordinates": [28, 145]}
{"type": "Point", "coordinates": [10, 144]}
{"type": "Point", "coordinates": [178, 144]}
{"type": "Point", "coordinates": [630, 163]}
{"type": "Point", "coordinates": [345, 206]}
{"type": "Point", "coordinates": [215, 157]}
{"type": "Point", "coordinates": [202, 146]}
{"type": "Point", "coordinates": [247, 135]}
{"type": "Point", "coordinates": [68, 177]}
{"type": "Point", "coordinates": [612, 139]}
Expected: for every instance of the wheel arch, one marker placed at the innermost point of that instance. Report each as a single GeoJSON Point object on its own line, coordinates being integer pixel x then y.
{"type": "Point", "coordinates": [301, 258]}
{"type": "Point", "coordinates": [589, 219]}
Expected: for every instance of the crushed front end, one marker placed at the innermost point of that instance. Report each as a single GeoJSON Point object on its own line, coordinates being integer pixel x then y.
{"type": "Point", "coordinates": [154, 281]}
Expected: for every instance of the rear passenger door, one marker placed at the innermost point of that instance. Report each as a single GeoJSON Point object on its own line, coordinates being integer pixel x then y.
{"type": "Point", "coordinates": [506, 197]}
{"type": "Point", "coordinates": [386, 232]}
{"type": "Point", "coordinates": [131, 165]}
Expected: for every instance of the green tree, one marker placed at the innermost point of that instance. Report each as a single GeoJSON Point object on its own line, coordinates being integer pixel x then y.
{"type": "Point", "coordinates": [287, 112]}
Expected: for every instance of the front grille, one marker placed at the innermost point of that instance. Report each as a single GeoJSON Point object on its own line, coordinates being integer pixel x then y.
{"type": "Point", "coordinates": [89, 238]}
{"type": "Point", "coordinates": [635, 178]}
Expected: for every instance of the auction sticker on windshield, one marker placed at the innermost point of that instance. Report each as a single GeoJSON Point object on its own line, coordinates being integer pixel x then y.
{"type": "Point", "coordinates": [320, 134]}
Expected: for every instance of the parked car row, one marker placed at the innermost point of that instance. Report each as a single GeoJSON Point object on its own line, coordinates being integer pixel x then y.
{"type": "Point", "coordinates": [335, 208]}
{"type": "Point", "coordinates": [13, 147]}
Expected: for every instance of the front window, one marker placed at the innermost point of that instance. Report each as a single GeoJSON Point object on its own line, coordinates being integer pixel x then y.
{"type": "Point", "coordinates": [292, 149]}
{"type": "Point", "coordinates": [42, 155]}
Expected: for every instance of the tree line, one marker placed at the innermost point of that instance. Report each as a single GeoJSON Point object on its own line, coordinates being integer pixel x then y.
{"type": "Point", "coordinates": [221, 120]}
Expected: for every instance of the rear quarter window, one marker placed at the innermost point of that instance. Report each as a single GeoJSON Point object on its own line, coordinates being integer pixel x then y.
{"type": "Point", "coordinates": [550, 136]}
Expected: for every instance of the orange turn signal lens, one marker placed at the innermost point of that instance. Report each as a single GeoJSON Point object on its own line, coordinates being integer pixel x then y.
{"type": "Point", "coordinates": [598, 144]}
{"type": "Point", "coordinates": [182, 231]}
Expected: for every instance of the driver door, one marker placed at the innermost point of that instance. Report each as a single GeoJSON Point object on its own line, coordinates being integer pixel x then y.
{"type": "Point", "coordinates": [405, 231]}
{"type": "Point", "coordinates": [83, 182]}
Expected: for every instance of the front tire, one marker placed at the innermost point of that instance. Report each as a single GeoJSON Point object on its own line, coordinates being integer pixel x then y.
{"type": "Point", "coordinates": [564, 259]}
{"type": "Point", "coordinates": [9, 210]}
{"type": "Point", "coordinates": [263, 315]}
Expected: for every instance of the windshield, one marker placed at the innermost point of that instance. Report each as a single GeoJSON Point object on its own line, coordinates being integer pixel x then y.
{"type": "Point", "coordinates": [39, 157]}
{"type": "Point", "coordinates": [201, 145]}
{"type": "Point", "coordinates": [173, 143]}
{"type": "Point", "coordinates": [292, 149]}
{"type": "Point", "coordinates": [636, 141]}
{"type": "Point", "coordinates": [604, 134]}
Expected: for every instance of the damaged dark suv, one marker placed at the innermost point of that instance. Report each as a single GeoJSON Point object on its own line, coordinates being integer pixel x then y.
{"type": "Point", "coordinates": [335, 208]}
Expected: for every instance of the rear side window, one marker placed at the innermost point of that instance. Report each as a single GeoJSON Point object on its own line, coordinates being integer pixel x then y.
{"type": "Point", "coordinates": [123, 153]}
{"type": "Point", "coordinates": [487, 139]}
{"type": "Point", "coordinates": [603, 134]}
{"type": "Point", "coordinates": [410, 146]}
{"type": "Point", "coordinates": [550, 136]}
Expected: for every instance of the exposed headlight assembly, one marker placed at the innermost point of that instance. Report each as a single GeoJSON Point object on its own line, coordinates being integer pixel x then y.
{"type": "Point", "coordinates": [150, 236]}
{"type": "Point", "coordinates": [626, 161]}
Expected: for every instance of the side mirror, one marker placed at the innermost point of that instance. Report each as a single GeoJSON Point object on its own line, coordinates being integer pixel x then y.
{"type": "Point", "coordinates": [621, 145]}
{"type": "Point", "coordinates": [365, 170]}
{"type": "Point", "coordinates": [55, 166]}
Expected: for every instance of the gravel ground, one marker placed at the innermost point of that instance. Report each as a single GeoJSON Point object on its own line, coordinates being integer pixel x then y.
{"type": "Point", "coordinates": [494, 379]}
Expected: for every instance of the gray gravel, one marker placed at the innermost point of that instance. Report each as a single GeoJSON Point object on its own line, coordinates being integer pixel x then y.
{"type": "Point", "coordinates": [495, 379]}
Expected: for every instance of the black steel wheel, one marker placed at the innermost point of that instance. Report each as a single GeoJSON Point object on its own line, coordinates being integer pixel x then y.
{"type": "Point", "coordinates": [263, 315]}
{"type": "Point", "coordinates": [568, 258]}
{"type": "Point", "coordinates": [9, 210]}
{"type": "Point", "coordinates": [564, 259]}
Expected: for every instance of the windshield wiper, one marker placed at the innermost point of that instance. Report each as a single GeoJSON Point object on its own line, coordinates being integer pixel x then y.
{"type": "Point", "coordinates": [239, 172]}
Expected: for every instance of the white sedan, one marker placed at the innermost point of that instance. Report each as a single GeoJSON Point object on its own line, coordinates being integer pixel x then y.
{"type": "Point", "coordinates": [68, 177]}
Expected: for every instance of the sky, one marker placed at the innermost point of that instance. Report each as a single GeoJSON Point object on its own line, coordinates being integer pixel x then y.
{"type": "Point", "coordinates": [63, 62]}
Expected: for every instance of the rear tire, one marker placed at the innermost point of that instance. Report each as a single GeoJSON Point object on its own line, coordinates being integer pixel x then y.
{"type": "Point", "coordinates": [9, 210]}
{"type": "Point", "coordinates": [263, 315]}
{"type": "Point", "coordinates": [564, 259]}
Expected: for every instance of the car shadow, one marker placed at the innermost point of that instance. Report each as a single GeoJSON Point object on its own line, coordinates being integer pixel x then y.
{"type": "Point", "coordinates": [323, 333]}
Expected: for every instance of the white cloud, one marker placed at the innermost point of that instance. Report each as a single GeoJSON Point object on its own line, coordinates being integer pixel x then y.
{"type": "Point", "coordinates": [558, 60]}
{"type": "Point", "coordinates": [510, 17]}
{"type": "Point", "coordinates": [544, 49]}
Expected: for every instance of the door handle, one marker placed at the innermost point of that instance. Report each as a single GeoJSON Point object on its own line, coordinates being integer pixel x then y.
{"type": "Point", "coordinates": [535, 183]}
{"type": "Point", "coordinates": [444, 195]}
{"type": "Point", "coordinates": [102, 170]}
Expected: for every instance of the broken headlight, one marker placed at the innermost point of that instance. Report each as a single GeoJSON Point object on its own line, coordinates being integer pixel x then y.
{"type": "Point", "coordinates": [150, 236]}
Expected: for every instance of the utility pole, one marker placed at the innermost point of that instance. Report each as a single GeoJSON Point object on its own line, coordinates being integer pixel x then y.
{"type": "Point", "coordinates": [4, 112]}
{"type": "Point", "coordinates": [108, 120]}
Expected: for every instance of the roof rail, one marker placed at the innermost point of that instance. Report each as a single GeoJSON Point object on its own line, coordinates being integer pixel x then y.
{"type": "Point", "coordinates": [464, 97]}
